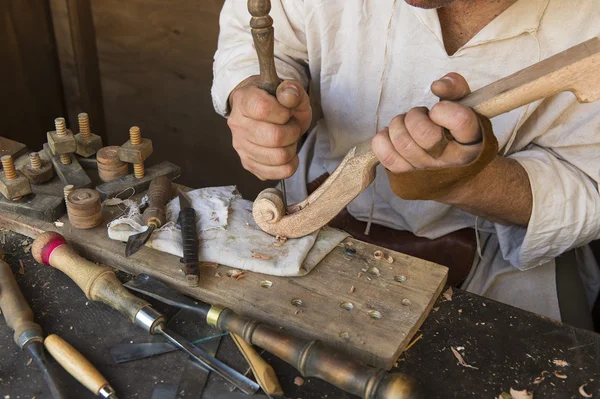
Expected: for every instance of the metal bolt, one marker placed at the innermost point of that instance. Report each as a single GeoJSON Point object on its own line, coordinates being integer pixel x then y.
{"type": "Point", "coordinates": [84, 125]}
{"type": "Point", "coordinates": [135, 137]}
{"type": "Point", "coordinates": [9, 167]}
{"type": "Point", "coordinates": [35, 160]}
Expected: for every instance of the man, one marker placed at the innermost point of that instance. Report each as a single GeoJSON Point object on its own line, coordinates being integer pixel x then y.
{"type": "Point", "coordinates": [370, 62]}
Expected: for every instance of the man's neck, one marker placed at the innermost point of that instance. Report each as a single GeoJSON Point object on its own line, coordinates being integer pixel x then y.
{"type": "Point", "coordinates": [462, 19]}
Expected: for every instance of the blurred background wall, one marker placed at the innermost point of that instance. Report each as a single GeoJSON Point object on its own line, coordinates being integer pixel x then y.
{"type": "Point", "coordinates": [134, 62]}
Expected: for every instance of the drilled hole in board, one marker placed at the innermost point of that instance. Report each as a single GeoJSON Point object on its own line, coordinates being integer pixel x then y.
{"type": "Point", "coordinates": [266, 284]}
{"type": "Point", "coordinates": [297, 302]}
{"type": "Point", "coordinates": [347, 305]}
{"type": "Point", "coordinates": [374, 314]}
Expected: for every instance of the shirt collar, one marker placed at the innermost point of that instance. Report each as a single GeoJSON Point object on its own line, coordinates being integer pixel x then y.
{"type": "Point", "coordinates": [523, 16]}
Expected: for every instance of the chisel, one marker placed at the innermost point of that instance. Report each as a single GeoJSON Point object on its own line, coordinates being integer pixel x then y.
{"type": "Point", "coordinates": [28, 334]}
{"type": "Point", "coordinates": [99, 283]}
{"type": "Point", "coordinates": [153, 217]}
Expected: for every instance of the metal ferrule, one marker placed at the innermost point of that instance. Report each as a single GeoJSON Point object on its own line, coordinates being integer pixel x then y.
{"type": "Point", "coordinates": [107, 392]}
{"type": "Point", "coordinates": [212, 317]}
{"type": "Point", "coordinates": [28, 336]}
{"type": "Point", "coordinates": [148, 319]}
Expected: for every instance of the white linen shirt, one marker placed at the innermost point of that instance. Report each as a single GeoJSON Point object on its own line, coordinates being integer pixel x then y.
{"type": "Point", "coordinates": [369, 60]}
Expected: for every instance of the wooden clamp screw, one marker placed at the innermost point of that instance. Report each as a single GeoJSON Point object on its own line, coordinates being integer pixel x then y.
{"type": "Point", "coordinates": [62, 141]}
{"type": "Point", "coordinates": [110, 167]}
{"type": "Point", "coordinates": [38, 170]}
{"type": "Point", "coordinates": [84, 208]}
{"type": "Point", "coordinates": [88, 143]}
{"type": "Point", "coordinates": [13, 184]}
{"type": "Point", "coordinates": [135, 151]}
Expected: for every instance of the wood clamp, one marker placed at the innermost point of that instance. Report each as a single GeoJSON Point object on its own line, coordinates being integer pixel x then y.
{"type": "Point", "coordinates": [576, 70]}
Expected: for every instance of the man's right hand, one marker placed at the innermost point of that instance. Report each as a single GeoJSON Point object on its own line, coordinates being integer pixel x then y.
{"type": "Point", "coordinates": [265, 130]}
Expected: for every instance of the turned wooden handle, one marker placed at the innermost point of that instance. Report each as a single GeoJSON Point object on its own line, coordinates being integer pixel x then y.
{"type": "Point", "coordinates": [314, 359]}
{"type": "Point", "coordinates": [75, 363]}
{"type": "Point", "coordinates": [15, 309]}
{"type": "Point", "coordinates": [159, 194]}
{"type": "Point", "coordinates": [99, 283]}
{"type": "Point", "coordinates": [575, 70]}
{"type": "Point", "coordinates": [263, 34]}
{"type": "Point", "coordinates": [263, 372]}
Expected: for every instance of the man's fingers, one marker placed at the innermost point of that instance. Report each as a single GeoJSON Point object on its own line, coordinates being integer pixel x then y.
{"type": "Point", "coordinates": [451, 87]}
{"type": "Point", "coordinates": [266, 172]}
{"type": "Point", "coordinates": [461, 121]}
{"type": "Point", "coordinates": [259, 105]}
{"type": "Point", "coordinates": [292, 95]}
{"type": "Point", "coordinates": [269, 156]}
{"type": "Point", "coordinates": [386, 153]}
{"type": "Point", "coordinates": [266, 134]}
{"type": "Point", "coordinates": [423, 131]}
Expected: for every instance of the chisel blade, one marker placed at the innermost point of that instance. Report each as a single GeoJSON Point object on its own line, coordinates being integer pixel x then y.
{"type": "Point", "coordinates": [136, 241]}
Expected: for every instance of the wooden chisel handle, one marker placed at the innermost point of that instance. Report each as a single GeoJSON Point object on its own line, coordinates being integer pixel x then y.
{"type": "Point", "coordinates": [159, 194]}
{"type": "Point", "coordinates": [263, 34]}
{"type": "Point", "coordinates": [99, 283]}
{"type": "Point", "coordinates": [15, 308]}
{"type": "Point", "coordinates": [77, 365]}
{"type": "Point", "coordinates": [263, 372]}
{"type": "Point", "coordinates": [314, 359]}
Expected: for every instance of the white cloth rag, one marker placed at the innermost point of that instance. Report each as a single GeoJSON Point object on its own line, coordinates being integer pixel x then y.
{"type": "Point", "coordinates": [229, 236]}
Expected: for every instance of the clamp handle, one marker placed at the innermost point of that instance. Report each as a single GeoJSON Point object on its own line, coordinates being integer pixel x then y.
{"type": "Point", "coordinates": [159, 194]}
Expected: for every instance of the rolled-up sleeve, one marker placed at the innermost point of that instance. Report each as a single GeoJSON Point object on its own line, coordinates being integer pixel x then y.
{"type": "Point", "coordinates": [563, 166]}
{"type": "Point", "coordinates": [236, 59]}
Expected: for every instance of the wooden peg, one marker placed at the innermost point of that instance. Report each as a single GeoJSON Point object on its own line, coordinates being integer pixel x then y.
{"type": "Point", "coordinates": [84, 208]}
{"type": "Point", "coordinates": [576, 70]}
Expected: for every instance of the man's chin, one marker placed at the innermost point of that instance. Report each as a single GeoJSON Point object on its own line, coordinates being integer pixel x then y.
{"type": "Point", "coordinates": [429, 3]}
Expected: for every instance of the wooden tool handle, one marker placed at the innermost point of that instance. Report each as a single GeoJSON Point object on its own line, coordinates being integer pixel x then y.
{"type": "Point", "coordinates": [75, 363]}
{"type": "Point", "coordinates": [263, 34]}
{"type": "Point", "coordinates": [314, 359]}
{"type": "Point", "coordinates": [574, 70]}
{"type": "Point", "coordinates": [263, 372]}
{"type": "Point", "coordinates": [15, 308]}
{"type": "Point", "coordinates": [159, 194]}
{"type": "Point", "coordinates": [99, 283]}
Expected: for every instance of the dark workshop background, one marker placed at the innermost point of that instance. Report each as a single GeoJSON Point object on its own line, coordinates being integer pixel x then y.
{"type": "Point", "coordinates": [134, 62]}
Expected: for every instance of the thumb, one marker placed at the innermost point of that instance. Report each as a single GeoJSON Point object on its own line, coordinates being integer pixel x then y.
{"type": "Point", "coordinates": [451, 87]}
{"type": "Point", "coordinates": [291, 94]}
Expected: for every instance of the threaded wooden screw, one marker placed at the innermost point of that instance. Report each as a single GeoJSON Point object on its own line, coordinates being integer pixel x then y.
{"type": "Point", "coordinates": [35, 160]}
{"type": "Point", "coordinates": [68, 189]}
{"type": "Point", "coordinates": [135, 137]}
{"type": "Point", "coordinates": [84, 125]}
{"type": "Point", "coordinates": [65, 159]}
{"type": "Point", "coordinates": [9, 167]}
{"type": "Point", "coordinates": [60, 125]}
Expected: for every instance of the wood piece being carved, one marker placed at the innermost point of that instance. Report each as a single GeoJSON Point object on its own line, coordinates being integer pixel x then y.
{"type": "Point", "coordinates": [575, 70]}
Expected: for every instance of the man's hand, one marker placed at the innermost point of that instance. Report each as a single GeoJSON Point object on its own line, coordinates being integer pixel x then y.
{"type": "Point", "coordinates": [403, 145]}
{"type": "Point", "coordinates": [266, 129]}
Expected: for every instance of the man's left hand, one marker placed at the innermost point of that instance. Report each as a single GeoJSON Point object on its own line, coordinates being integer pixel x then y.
{"type": "Point", "coordinates": [403, 145]}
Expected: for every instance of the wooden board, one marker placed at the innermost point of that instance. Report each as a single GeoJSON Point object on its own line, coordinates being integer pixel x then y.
{"type": "Point", "coordinates": [72, 173]}
{"type": "Point", "coordinates": [129, 185]}
{"type": "Point", "coordinates": [12, 148]}
{"type": "Point", "coordinates": [40, 206]}
{"type": "Point", "coordinates": [376, 342]}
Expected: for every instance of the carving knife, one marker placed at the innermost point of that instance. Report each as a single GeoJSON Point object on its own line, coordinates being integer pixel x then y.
{"type": "Point", "coordinates": [153, 217]}
{"type": "Point", "coordinates": [28, 334]}
{"type": "Point", "coordinates": [99, 283]}
{"type": "Point", "coordinates": [189, 235]}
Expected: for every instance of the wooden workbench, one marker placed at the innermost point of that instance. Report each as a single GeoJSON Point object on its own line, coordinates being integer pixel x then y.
{"type": "Point", "coordinates": [509, 347]}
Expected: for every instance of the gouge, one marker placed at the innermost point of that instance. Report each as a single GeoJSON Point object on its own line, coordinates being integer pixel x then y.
{"type": "Point", "coordinates": [153, 217]}
{"type": "Point", "coordinates": [263, 372]}
{"type": "Point", "coordinates": [28, 334]}
{"type": "Point", "coordinates": [311, 358]}
{"type": "Point", "coordinates": [99, 283]}
{"type": "Point", "coordinates": [79, 367]}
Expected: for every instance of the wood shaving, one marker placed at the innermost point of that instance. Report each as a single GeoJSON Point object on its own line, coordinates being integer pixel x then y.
{"type": "Point", "coordinates": [359, 275]}
{"type": "Point", "coordinates": [299, 381]}
{"type": "Point", "coordinates": [279, 241]}
{"type": "Point", "coordinates": [414, 341]}
{"type": "Point", "coordinates": [22, 268]}
{"type": "Point", "coordinates": [258, 255]}
{"type": "Point", "coordinates": [213, 265]}
{"type": "Point", "coordinates": [461, 360]}
{"type": "Point", "coordinates": [560, 375]}
{"type": "Point", "coordinates": [436, 308]}
{"type": "Point", "coordinates": [351, 290]}
{"type": "Point", "coordinates": [112, 202]}
{"type": "Point", "coordinates": [58, 223]}
{"type": "Point", "coordinates": [521, 394]}
{"type": "Point", "coordinates": [29, 361]}
{"type": "Point", "coordinates": [218, 275]}
{"type": "Point", "coordinates": [235, 274]}
{"type": "Point", "coordinates": [374, 271]}
{"type": "Point", "coordinates": [448, 294]}
{"type": "Point", "coordinates": [560, 363]}
{"type": "Point", "coordinates": [583, 392]}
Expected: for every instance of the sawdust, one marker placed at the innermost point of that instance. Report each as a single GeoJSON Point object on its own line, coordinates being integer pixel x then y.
{"type": "Point", "coordinates": [448, 294]}
{"type": "Point", "coordinates": [583, 392]}
{"type": "Point", "coordinates": [560, 363]}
